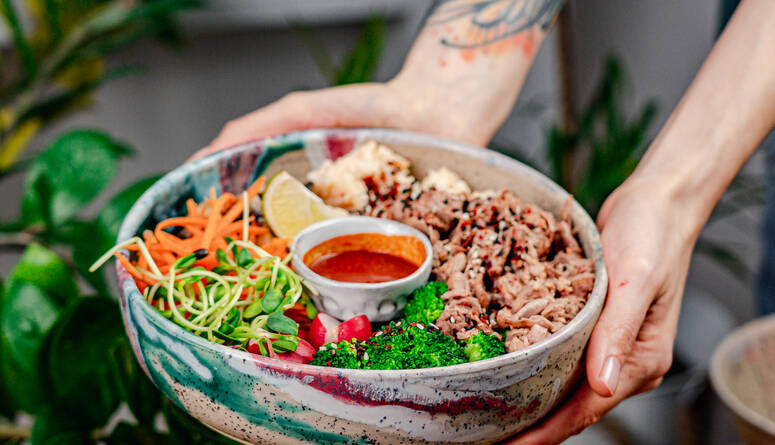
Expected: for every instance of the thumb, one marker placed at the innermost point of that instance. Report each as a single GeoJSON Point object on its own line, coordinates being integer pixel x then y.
{"type": "Point", "coordinates": [617, 329]}
{"type": "Point", "coordinates": [361, 105]}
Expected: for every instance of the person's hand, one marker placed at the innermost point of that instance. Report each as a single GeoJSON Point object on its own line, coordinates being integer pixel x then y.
{"type": "Point", "coordinates": [404, 103]}
{"type": "Point", "coordinates": [647, 244]}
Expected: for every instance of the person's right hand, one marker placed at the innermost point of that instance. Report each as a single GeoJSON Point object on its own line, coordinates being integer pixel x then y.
{"type": "Point", "coordinates": [406, 104]}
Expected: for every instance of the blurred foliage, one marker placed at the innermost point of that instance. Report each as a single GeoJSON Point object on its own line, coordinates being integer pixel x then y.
{"type": "Point", "coordinates": [359, 63]}
{"type": "Point", "coordinates": [58, 59]}
{"type": "Point", "coordinates": [603, 147]}
{"type": "Point", "coordinates": [64, 356]}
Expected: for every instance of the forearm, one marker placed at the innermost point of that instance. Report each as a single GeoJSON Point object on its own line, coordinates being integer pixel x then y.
{"type": "Point", "coordinates": [723, 117]}
{"type": "Point", "coordinates": [470, 60]}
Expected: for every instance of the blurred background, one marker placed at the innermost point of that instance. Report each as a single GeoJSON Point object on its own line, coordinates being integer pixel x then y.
{"type": "Point", "coordinates": [604, 82]}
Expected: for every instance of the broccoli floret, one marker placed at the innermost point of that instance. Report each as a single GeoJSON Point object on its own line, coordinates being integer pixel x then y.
{"type": "Point", "coordinates": [481, 346]}
{"type": "Point", "coordinates": [403, 345]}
{"type": "Point", "coordinates": [343, 355]}
{"type": "Point", "coordinates": [425, 305]}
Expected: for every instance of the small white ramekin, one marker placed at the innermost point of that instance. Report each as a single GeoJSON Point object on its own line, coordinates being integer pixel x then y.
{"type": "Point", "coordinates": [343, 300]}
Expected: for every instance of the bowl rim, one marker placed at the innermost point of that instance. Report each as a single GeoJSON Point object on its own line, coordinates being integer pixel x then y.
{"type": "Point", "coordinates": [407, 230]}
{"type": "Point", "coordinates": [143, 206]}
{"type": "Point", "coordinates": [718, 364]}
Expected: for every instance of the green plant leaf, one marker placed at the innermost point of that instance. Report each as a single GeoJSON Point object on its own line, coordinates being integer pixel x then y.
{"type": "Point", "coordinates": [91, 239]}
{"type": "Point", "coordinates": [56, 424]}
{"type": "Point", "coordinates": [282, 324]}
{"type": "Point", "coordinates": [23, 48]}
{"type": "Point", "coordinates": [136, 389]}
{"type": "Point", "coordinates": [46, 270]}
{"type": "Point", "coordinates": [77, 165]}
{"type": "Point", "coordinates": [362, 60]}
{"type": "Point", "coordinates": [7, 407]}
{"type": "Point", "coordinates": [271, 300]}
{"type": "Point", "coordinates": [57, 105]}
{"type": "Point", "coordinates": [26, 316]}
{"type": "Point", "coordinates": [121, 14]}
{"type": "Point", "coordinates": [51, 12]}
{"type": "Point", "coordinates": [127, 434]}
{"type": "Point", "coordinates": [80, 357]}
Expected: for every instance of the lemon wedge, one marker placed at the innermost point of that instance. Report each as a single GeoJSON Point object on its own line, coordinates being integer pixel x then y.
{"type": "Point", "coordinates": [289, 206]}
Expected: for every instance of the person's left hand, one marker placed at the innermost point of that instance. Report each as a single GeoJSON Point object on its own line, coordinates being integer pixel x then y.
{"type": "Point", "coordinates": [647, 238]}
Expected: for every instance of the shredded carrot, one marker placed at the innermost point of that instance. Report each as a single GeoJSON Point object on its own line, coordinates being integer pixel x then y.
{"type": "Point", "coordinates": [205, 227]}
{"type": "Point", "coordinates": [277, 246]}
{"type": "Point", "coordinates": [193, 209]}
{"type": "Point", "coordinates": [132, 271]}
{"type": "Point", "coordinates": [236, 211]}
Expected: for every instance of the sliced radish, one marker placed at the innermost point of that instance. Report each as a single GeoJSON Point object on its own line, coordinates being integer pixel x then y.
{"type": "Point", "coordinates": [326, 329]}
{"type": "Point", "coordinates": [323, 330]}
{"type": "Point", "coordinates": [357, 327]}
{"type": "Point", "coordinates": [302, 354]}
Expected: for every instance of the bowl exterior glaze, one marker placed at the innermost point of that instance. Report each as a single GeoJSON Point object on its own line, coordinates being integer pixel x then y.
{"type": "Point", "coordinates": [255, 399]}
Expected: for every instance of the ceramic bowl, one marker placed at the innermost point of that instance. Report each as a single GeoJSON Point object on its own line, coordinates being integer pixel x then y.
{"type": "Point", "coordinates": [343, 300]}
{"type": "Point", "coordinates": [743, 376]}
{"type": "Point", "coordinates": [257, 399]}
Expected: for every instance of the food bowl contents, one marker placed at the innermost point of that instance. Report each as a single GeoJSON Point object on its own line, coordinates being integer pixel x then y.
{"type": "Point", "coordinates": [514, 270]}
{"type": "Point", "coordinates": [410, 343]}
{"type": "Point", "coordinates": [219, 273]}
{"type": "Point", "coordinates": [505, 274]}
{"type": "Point", "coordinates": [327, 329]}
{"type": "Point", "coordinates": [289, 206]}
{"type": "Point", "coordinates": [341, 183]}
{"type": "Point", "coordinates": [366, 257]}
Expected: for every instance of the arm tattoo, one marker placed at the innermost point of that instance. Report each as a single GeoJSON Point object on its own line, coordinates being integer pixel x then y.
{"type": "Point", "coordinates": [489, 21]}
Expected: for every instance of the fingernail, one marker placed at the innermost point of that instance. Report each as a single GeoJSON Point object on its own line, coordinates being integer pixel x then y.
{"type": "Point", "coordinates": [610, 374]}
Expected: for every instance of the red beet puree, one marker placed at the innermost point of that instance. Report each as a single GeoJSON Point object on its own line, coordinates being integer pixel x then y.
{"type": "Point", "coordinates": [366, 257]}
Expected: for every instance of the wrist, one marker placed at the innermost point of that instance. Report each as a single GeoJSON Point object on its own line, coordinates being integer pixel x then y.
{"type": "Point", "coordinates": [441, 109]}
{"type": "Point", "coordinates": [682, 186]}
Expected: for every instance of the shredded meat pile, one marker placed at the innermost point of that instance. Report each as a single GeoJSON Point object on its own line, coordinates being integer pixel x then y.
{"type": "Point", "coordinates": [510, 267]}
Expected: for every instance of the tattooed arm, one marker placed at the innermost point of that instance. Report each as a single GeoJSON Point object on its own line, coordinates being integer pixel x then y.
{"type": "Point", "coordinates": [460, 80]}
{"type": "Point", "coordinates": [471, 58]}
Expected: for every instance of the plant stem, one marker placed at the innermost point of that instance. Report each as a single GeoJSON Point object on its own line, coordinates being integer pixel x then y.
{"type": "Point", "coordinates": [565, 62]}
{"type": "Point", "coordinates": [567, 95]}
{"type": "Point", "coordinates": [15, 241]}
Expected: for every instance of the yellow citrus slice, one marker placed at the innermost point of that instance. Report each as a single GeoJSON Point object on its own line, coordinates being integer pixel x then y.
{"type": "Point", "coordinates": [289, 206]}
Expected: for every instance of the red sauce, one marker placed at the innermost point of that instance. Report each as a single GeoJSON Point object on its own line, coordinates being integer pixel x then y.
{"type": "Point", "coordinates": [362, 266]}
{"type": "Point", "coordinates": [366, 257]}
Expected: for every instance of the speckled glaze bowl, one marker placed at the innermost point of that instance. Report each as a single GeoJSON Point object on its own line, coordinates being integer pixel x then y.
{"type": "Point", "coordinates": [743, 376]}
{"type": "Point", "coordinates": [343, 300]}
{"type": "Point", "coordinates": [256, 399]}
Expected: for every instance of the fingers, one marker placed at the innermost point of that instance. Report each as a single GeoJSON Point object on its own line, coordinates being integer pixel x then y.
{"type": "Point", "coordinates": [629, 298]}
{"type": "Point", "coordinates": [363, 105]}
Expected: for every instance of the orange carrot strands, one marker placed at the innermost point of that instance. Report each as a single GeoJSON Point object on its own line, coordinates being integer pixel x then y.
{"type": "Point", "coordinates": [235, 211]}
{"type": "Point", "coordinates": [149, 237]}
{"type": "Point", "coordinates": [277, 247]}
{"type": "Point", "coordinates": [175, 244]}
{"type": "Point", "coordinates": [132, 271]}
{"type": "Point", "coordinates": [191, 207]}
{"type": "Point", "coordinates": [182, 221]}
{"type": "Point", "coordinates": [212, 224]}
{"type": "Point", "coordinates": [233, 228]}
